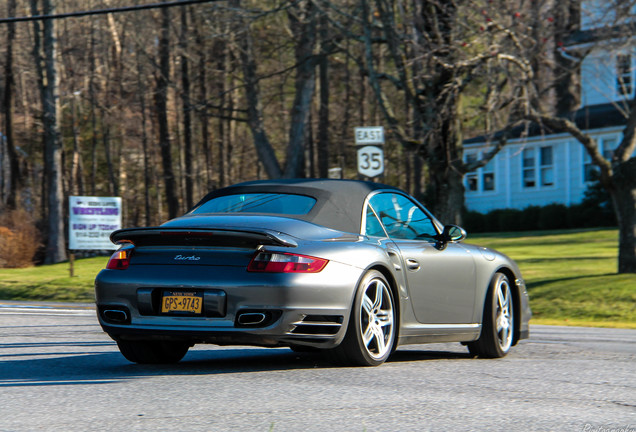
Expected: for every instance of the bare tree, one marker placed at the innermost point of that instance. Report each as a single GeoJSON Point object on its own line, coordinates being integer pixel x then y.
{"type": "Point", "coordinates": [303, 22]}
{"type": "Point", "coordinates": [49, 79]}
{"type": "Point", "coordinates": [14, 167]}
{"type": "Point", "coordinates": [437, 52]}
{"type": "Point", "coordinates": [187, 109]}
{"type": "Point", "coordinates": [323, 111]}
{"type": "Point", "coordinates": [161, 104]}
{"type": "Point", "coordinates": [618, 175]}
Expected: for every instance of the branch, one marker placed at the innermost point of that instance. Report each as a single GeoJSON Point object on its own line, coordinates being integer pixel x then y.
{"type": "Point", "coordinates": [559, 124]}
{"type": "Point", "coordinates": [628, 145]}
{"type": "Point", "coordinates": [500, 142]}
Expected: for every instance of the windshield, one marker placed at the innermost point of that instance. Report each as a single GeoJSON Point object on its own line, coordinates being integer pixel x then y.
{"type": "Point", "coordinates": [258, 203]}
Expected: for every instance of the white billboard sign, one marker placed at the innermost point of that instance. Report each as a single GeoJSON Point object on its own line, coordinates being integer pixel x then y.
{"type": "Point", "coordinates": [92, 220]}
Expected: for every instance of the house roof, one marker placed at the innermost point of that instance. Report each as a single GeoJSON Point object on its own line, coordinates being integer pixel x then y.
{"type": "Point", "coordinates": [586, 118]}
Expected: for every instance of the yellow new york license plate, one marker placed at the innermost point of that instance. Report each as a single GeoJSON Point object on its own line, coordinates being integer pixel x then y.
{"type": "Point", "coordinates": [181, 302]}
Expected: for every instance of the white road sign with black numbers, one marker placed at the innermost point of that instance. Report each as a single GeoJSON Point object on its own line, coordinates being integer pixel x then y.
{"type": "Point", "coordinates": [370, 161]}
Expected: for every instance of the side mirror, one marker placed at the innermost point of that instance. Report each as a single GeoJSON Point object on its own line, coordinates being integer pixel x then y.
{"type": "Point", "coordinates": [453, 234]}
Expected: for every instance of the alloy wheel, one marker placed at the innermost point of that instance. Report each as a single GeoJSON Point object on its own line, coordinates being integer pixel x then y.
{"type": "Point", "coordinates": [503, 321]}
{"type": "Point", "coordinates": [376, 318]}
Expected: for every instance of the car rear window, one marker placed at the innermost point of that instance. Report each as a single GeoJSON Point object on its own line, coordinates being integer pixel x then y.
{"type": "Point", "coordinates": [276, 203]}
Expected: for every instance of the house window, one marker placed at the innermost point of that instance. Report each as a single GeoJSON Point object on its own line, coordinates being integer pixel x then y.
{"type": "Point", "coordinates": [471, 178]}
{"type": "Point", "coordinates": [546, 160]}
{"type": "Point", "coordinates": [488, 176]}
{"type": "Point", "coordinates": [624, 74]}
{"type": "Point", "coordinates": [482, 178]}
{"type": "Point", "coordinates": [591, 171]}
{"type": "Point", "coordinates": [471, 182]}
{"type": "Point", "coordinates": [529, 166]}
{"type": "Point", "coordinates": [608, 147]}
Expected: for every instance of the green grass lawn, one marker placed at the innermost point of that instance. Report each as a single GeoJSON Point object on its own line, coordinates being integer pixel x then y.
{"type": "Point", "coordinates": [52, 282]}
{"type": "Point", "coordinates": [571, 277]}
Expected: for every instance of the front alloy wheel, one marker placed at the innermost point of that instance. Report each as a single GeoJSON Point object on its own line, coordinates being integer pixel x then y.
{"type": "Point", "coordinates": [371, 332]}
{"type": "Point", "coordinates": [498, 321]}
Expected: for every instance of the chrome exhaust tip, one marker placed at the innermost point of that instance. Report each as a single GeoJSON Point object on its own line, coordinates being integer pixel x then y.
{"type": "Point", "coordinates": [115, 316]}
{"type": "Point", "coordinates": [251, 318]}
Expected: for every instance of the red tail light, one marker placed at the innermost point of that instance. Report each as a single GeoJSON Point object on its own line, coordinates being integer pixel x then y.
{"type": "Point", "coordinates": [120, 260]}
{"type": "Point", "coordinates": [275, 262]}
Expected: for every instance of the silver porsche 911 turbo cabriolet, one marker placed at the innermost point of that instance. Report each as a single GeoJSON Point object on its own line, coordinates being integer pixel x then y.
{"type": "Point", "coordinates": [352, 268]}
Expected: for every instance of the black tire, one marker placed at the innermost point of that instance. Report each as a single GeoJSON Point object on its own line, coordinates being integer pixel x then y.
{"type": "Point", "coordinates": [371, 331]}
{"type": "Point", "coordinates": [497, 330]}
{"type": "Point", "coordinates": [153, 352]}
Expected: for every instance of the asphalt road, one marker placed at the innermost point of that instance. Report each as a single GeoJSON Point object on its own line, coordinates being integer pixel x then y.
{"type": "Point", "coordinates": [58, 371]}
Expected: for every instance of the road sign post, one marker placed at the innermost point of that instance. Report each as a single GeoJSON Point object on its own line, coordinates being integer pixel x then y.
{"type": "Point", "coordinates": [370, 152]}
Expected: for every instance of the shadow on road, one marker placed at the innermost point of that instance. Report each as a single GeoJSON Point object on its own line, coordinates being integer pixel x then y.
{"type": "Point", "coordinates": [80, 363]}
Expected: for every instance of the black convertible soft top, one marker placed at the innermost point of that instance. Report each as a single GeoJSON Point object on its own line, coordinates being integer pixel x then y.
{"type": "Point", "coordinates": [338, 202]}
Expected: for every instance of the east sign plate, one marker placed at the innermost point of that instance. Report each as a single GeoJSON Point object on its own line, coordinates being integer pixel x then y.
{"type": "Point", "coordinates": [369, 135]}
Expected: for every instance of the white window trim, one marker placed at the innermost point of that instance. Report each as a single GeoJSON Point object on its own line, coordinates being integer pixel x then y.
{"type": "Point", "coordinates": [479, 173]}
{"type": "Point", "coordinates": [600, 141]}
{"type": "Point", "coordinates": [617, 91]}
{"type": "Point", "coordinates": [538, 169]}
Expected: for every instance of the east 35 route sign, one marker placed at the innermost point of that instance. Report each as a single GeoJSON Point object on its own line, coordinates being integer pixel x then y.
{"type": "Point", "coordinates": [369, 140]}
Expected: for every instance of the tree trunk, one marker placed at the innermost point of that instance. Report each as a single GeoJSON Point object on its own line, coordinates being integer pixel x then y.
{"type": "Point", "coordinates": [203, 97]}
{"type": "Point", "coordinates": [93, 102]}
{"type": "Point", "coordinates": [187, 107]}
{"type": "Point", "coordinates": [220, 52]}
{"type": "Point", "coordinates": [445, 194]}
{"type": "Point", "coordinates": [14, 165]}
{"type": "Point", "coordinates": [624, 202]}
{"type": "Point", "coordinates": [264, 149]}
{"type": "Point", "coordinates": [161, 102]}
{"type": "Point", "coordinates": [303, 25]}
{"type": "Point", "coordinates": [141, 89]}
{"type": "Point", "coordinates": [323, 112]}
{"type": "Point", "coordinates": [55, 246]}
{"type": "Point", "coordinates": [567, 69]}
{"type": "Point", "coordinates": [113, 183]}
{"type": "Point", "coordinates": [77, 184]}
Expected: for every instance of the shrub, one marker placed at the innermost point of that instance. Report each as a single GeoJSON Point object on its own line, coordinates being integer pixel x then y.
{"type": "Point", "coordinates": [510, 220]}
{"type": "Point", "coordinates": [474, 221]}
{"type": "Point", "coordinates": [553, 216]}
{"type": "Point", "coordinates": [19, 239]}
{"type": "Point", "coordinates": [530, 218]}
{"type": "Point", "coordinates": [588, 214]}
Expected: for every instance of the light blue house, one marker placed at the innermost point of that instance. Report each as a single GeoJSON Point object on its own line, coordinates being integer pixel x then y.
{"type": "Point", "coordinates": [538, 167]}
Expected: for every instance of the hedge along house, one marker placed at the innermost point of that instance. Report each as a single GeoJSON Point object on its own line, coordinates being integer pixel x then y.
{"type": "Point", "coordinates": [538, 167]}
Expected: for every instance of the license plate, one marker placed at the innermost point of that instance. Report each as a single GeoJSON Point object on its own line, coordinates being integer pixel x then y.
{"type": "Point", "coordinates": [189, 302]}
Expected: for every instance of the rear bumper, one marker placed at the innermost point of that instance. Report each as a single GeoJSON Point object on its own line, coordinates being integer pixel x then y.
{"type": "Point", "coordinates": [297, 309]}
{"type": "Point", "coordinates": [317, 328]}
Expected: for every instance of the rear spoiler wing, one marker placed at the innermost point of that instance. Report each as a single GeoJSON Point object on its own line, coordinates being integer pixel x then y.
{"type": "Point", "coordinates": [159, 236]}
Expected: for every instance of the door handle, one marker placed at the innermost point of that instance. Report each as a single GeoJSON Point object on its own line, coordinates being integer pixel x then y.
{"type": "Point", "coordinates": [411, 264]}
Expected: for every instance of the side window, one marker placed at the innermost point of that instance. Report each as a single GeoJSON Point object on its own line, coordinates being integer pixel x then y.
{"type": "Point", "coordinates": [624, 74]}
{"type": "Point", "coordinates": [373, 227]}
{"type": "Point", "coordinates": [402, 218]}
{"type": "Point", "coordinates": [528, 166]}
